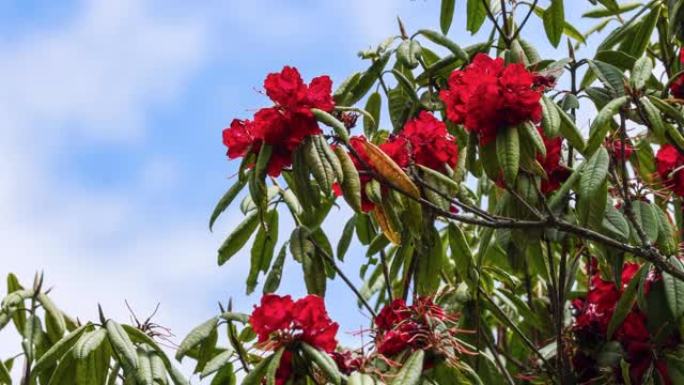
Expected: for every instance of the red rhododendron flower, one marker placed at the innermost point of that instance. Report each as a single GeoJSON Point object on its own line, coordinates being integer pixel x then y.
{"type": "Point", "coordinates": [426, 141]}
{"type": "Point", "coordinates": [489, 95]}
{"type": "Point", "coordinates": [615, 147]}
{"type": "Point", "coordinates": [285, 125]}
{"type": "Point", "coordinates": [681, 55]}
{"type": "Point", "coordinates": [556, 173]}
{"type": "Point", "coordinates": [347, 361]}
{"type": "Point", "coordinates": [400, 327]}
{"type": "Point", "coordinates": [677, 88]}
{"type": "Point", "coordinates": [593, 314]}
{"type": "Point", "coordinates": [669, 162]}
{"type": "Point", "coordinates": [278, 321]}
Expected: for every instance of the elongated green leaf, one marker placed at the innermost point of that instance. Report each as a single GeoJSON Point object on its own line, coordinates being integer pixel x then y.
{"type": "Point", "coordinates": [237, 239]}
{"type": "Point", "coordinates": [54, 315]}
{"type": "Point", "coordinates": [216, 363]}
{"type": "Point", "coordinates": [273, 279]}
{"type": "Point", "coordinates": [636, 46]}
{"type": "Point", "coordinates": [569, 130]}
{"type": "Point", "coordinates": [446, 15]}
{"type": "Point", "coordinates": [158, 369]}
{"type": "Point", "coordinates": [57, 350]}
{"type": "Point", "coordinates": [262, 249]}
{"type": "Point", "coordinates": [408, 53]}
{"type": "Point", "coordinates": [90, 342]}
{"type": "Point", "coordinates": [625, 304]}
{"type": "Point", "coordinates": [331, 121]}
{"type": "Point", "coordinates": [411, 371]}
{"type": "Point", "coordinates": [530, 133]}
{"type": "Point", "coordinates": [367, 79]}
{"type": "Point", "coordinates": [674, 290]}
{"type": "Point", "coordinates": [324, 362]}
{"type": "Point", "coordinates": [373, 106]}
{"type": "Point", "coordinates": [554, 21]}
{"type": "Point", "coordinates": [551, 120]}
{"type": "Point", "coordinates": [345, 239]}
{"type": "Point", "coordinates": [508, 153]}
{"type": "Point", "coordinates": [255, 376]}
{"type": "Point", "coordinates": [600, 12]}
{"type": "Point", "coordinates": [123, 346]}
{"type": "Point", "coordinates": [445, 42]}
{"type": "Point", "coordinates": [476, 15]}
{"type": "Point", "coordinates": [641, 72]}
{"type": "Point", "coordinates": [196, 336]}
{"type": "Point", "coordinates": [461, 254]}
{"type": "Point", "coordinates": [602, 123]}
{"type": "Point", "coordinates": [225, 376]}
{"type": "Point", "coordinates": [137, 335]}
{"type": "Point", "coordinates": [615, 223]}
{"type": "Point", "coordinates": [594, 174]}
{"type": "Point", "coordinates": [610, 75]}
{"type": "Point", "coordinates": [226, 200]}
{"type": "Point", "coordinates": [351, 184]}
{"type": "Point", "coordinates": [655, 122]}
{"type": "Point", "coordinates": [5, 378]}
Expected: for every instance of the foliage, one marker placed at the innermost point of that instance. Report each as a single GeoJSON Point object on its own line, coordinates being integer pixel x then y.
{"type": "Point", "coordinates": [504, 243]}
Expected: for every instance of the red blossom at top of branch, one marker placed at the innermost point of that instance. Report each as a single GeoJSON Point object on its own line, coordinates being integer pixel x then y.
{"type": "Point", "coordinates": [286, 124]}
{"type": "Point", "coordinates": [669, 165]}
{"type": "Point", "coordinates": [489, 95]}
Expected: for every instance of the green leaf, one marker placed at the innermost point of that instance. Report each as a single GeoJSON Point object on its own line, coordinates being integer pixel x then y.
{"type": "Point", "coordinates": [508, 153]}
{"type": "Point", "coordinates": [368, 78]}
{"type": "Point", "coordinates": [602, 123]}
{"type": "Point", "coordinates": [610, 75]}
{"type": "Point", "coordinates": [625, 303]}
{"type": "Point", "coordinates": [255, 376]}
{"type": "Point", "coordinates": [569, 130]}
{"type": "Point", "coordinates": [123, 346]}
{"type": "Point", "coordinates": [273, 366]}
{"type": "Point", "coordinates": [647, 218]}
{"type": "Point", "coordinates": [237, 239]}
{"type": "Point", "coordinates": [636, 46]}
{"type": "Point", "coordinates": [300, 245]}
{"type": "Point", "coordinates": [445, 42]}
{"type": "Point", "coordinates": [373, 106]}
{"type": "Point", "coordinates": [345, 239]}
{"type": "Point", "coordinates": [54, 315]}
{"type": "Point", "coordinates": [324, 362]}
{"type": "Point", "coordinates": [325, 166]}
{"type": "Point", "coordinates": [57, 350]}
{"type": "Point", "coordinates": [226, 200]}
{"type": "Point", "coordinates": [331, 121]}
{"type": "Point", "coordinates": [653, 115]}
{"type": "Point", "coordinates": [216, 363]}
{"type": "Point", "coordinates": [89, 343]}
{"type": "Point", "coordinates": [351, 182]}
{"type": "Point", "coordinates": [446, 15]}
{"type": "Point", "coordinates": [551, 120]}
{"type": "Point", "coordinates": [591, 210]}
{"type": "Point", "coordinates": [531, 134]}
{"type": "Point", "coordinates": [461, 254]}
{"type": "Point", "coordinates": [411, 372]}
{"type": "Point", "coordinates": [196, 336]}
{"type": "Point", "coordinates": [262, 249]}
{"type": "Point", "coordinates": [408, 53]}
{"type": "Point", "coordinates": [225, 376]}
{"type": "Point", "coordinates": [144, 373]}
{"type": "Point", "coordinates": [641, 72]}
{"type": "Point", "coordinates": [273, 279]}
{"type": "Point", "coordinates": [554, 21]}
{"type": "Point", "coordinates": [615, 223]}
{"type": "Point", "coordinates": [594, 174]}
{"type": "Point", "coordinates": [599, 12]}
{"type": "Point", "coordinates": [477, 13]}
{"type": "Point", "coordinates": [140, 337]}
{"type": "Point", "coordinates": [5, 378]}
{"type": "Point", "coordinates": [674, 290]}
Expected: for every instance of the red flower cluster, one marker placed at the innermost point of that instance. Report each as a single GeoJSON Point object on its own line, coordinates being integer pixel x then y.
{"type": "Point", "coordinates": [593, 315]}
{"type": "Point", "coordinates": [677, 88]}
{"type": "Point", "coordinates": [278, 321]}
{"type": "Point", "coordinates": [423, 140]}
{"type": "Point", "coordinates": [489, 95]}
{"type": "Point", "coordinates": [285, 125]}
{"type": "Point", "coordinates": [556, 173]}
{"type": "Point", "coordinates": [669, 165]}
{"type": "Point", "coordinates": [400, 327]}
{"type": "Point", "coordinates": [426, 141]}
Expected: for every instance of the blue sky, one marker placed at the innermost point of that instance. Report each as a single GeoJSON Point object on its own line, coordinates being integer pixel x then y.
{"type": "Point", "coordinates": [112, 113]}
